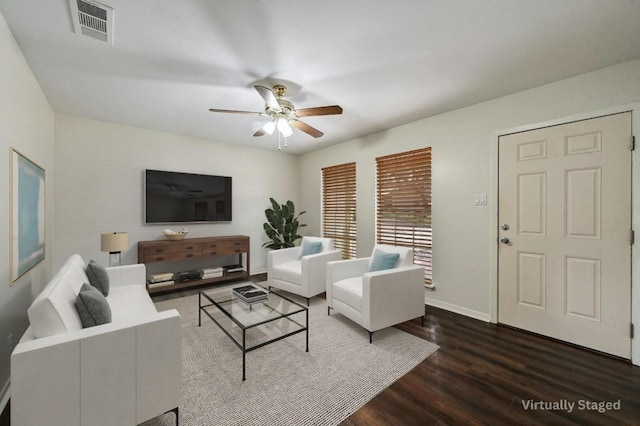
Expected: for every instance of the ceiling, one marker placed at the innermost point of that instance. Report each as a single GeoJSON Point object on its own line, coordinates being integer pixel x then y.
{"type": "Point", "coordinates": [385, 62]}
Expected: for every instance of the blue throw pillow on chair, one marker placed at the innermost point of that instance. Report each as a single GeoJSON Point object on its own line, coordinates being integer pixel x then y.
{"type": "Point", "coordinates": [382, 260]}
{"type": "Point", "coordinates": [310, 247]}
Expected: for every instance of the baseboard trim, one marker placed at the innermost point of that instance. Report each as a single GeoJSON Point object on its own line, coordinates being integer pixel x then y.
{"type": "Point", "coordinates": [458, 309]}
{"type": "Point", "coordinates": [5, 396]}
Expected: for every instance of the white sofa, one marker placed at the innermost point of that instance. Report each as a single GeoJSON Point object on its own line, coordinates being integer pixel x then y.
{"type": "Point", "coordinates": [121, 373]}
{"type": "Point", "coordinates": [301, 275]}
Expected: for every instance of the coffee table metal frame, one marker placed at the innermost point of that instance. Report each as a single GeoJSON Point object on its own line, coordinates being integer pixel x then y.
{"type": "Point", "coordinates": [229, 298]}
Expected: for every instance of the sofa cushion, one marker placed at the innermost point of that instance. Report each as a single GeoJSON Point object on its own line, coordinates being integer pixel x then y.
{"type": "Point", "coordinates": [53, 311]}
{"type": "Point", "coordinates": [382, 260]}
{"type": "Point", "coordinates": [129, 303]}
{"type": "Point", "coordinates": [289, 271]}
{"type": "Point", "coordinates": [98, 277]}
{"type": "Point", "coordinates": [92, 307]}
{"type": "Point", "coordinates": [349, 291]}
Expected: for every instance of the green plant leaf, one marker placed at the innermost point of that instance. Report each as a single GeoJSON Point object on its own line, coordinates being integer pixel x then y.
{"type": "Point", "coordinates": [291, 207]}
{"type": "Point", "coordinates": [282, 225]}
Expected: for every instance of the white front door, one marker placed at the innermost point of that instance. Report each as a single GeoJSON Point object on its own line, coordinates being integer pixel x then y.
{"type": "Point", "coordinates": [564, 213]}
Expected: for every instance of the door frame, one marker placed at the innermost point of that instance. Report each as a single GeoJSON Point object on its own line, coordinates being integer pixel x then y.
{"type": "Point", "coordinates": [634, 108]}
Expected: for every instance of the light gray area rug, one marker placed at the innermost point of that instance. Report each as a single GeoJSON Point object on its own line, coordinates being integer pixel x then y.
{"type": "Point", "coordinates": [286, 385]}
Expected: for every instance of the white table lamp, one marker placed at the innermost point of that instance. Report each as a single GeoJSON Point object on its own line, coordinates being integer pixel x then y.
{"type": "Point", "coordinates": [114, 243]}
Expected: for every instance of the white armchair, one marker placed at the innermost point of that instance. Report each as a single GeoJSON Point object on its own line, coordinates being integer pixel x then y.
{"type": "Point", "coordinates": [303, 274]}
{"type": "Point", "coordinates": [380, 298]}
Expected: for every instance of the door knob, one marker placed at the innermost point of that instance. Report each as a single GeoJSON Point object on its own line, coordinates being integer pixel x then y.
{"type": "Point", "coordinates": [505, 227]}
{"type": "Point", "coordinates": [505, 240]}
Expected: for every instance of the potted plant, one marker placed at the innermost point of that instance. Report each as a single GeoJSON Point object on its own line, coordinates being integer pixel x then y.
{"type": "Point", "coordinates": [282, 226]}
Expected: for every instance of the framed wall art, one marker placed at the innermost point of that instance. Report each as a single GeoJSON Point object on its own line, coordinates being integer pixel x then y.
{"type": "Point", "coordinates": [27, 215]}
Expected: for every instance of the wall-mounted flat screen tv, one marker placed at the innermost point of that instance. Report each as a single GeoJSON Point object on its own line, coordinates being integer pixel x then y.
{"type": "Point", "coordinates": [172, 197]}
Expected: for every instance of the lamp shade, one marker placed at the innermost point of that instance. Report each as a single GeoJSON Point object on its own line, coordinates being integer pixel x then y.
{"type": "Point", "coordinates": [114, 242]}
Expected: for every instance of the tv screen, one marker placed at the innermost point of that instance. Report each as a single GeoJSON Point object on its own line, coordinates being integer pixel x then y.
{"type": "Point", "coordinates": [172, 197]}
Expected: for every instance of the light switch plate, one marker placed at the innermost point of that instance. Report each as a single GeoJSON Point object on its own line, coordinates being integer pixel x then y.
{"type": "Point", "coordinates": [480, 199]}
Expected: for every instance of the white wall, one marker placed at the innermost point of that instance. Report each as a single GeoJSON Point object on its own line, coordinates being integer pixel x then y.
{"type": "Point", "coordinates": [99, 185]}
{"type": "Point", "coordinates": [462, 166]}
{"type": "Point", "coordinates": [26, 124]}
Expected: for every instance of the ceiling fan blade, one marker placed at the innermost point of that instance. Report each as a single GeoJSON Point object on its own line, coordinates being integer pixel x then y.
{"type": "Point", "coordinates": [233, 111]}
{"type": "Point", "coordinates": [269, 97]}
{"type": "Point", "coordinates": [306, 128]}
{"type": "Point", "coordinates": [325, 110]}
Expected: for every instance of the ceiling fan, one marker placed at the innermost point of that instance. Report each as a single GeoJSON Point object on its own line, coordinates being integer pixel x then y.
{"type": "Point", "coordinates": [283, 114]}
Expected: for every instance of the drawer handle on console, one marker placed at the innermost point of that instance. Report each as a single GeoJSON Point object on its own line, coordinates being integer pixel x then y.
{"type": "Point", "coordinates": [189, 248]}
{"type": "Point", "coordinates": [190, 255]}
{"type": "Point", "coordinates": [159, 258]}
{"type": "Point", "coordinates": [159, 250]}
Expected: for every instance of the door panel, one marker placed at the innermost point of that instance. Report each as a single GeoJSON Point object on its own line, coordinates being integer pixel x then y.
{"type": "Point", "coordinates": [583, 203]}
{"type": "Point", "coordinates": [531, 279]}
{"type": "Point", "coordinates": [532, 204]}
{"type": "Point", "coordinates": [565, 270]}
{"type": "Point", "coordinates": [583, 287]}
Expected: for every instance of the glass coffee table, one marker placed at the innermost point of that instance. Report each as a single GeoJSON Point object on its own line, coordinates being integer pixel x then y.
{"type": "Point", "coordinates": [253, 326]}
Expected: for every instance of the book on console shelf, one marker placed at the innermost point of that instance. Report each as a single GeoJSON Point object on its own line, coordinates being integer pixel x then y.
{"type": "Point", "coordinates": [233, 268]}
{"type": "Point", "coordinates": [161, 284]}
{"type": "Point", "coordinates": [164, 276]}
{"type": "Point", "coordinates": [186, 276]}
{"type": "Point", "coordinates": [211, 272]}
{"type": "Point", "coordinates": [207, 276]}
{"type": "Point", "coordinates": [250, 294]}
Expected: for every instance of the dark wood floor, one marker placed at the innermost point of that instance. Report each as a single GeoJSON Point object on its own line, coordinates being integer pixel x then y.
{"type": "Point", "coordinates": [484, 373]}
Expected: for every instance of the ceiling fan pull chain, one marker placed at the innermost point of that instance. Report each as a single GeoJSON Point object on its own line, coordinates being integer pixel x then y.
{"type": "Point", "coordinates": [286, 144]}
{"type": "Point", "coordinates": [279, 147]}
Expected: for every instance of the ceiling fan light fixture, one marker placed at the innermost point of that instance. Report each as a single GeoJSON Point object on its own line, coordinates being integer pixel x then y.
{"type": "Point", "coordinates": [284, 128]}
{"type": "Point", "coordinates": [269, 127]}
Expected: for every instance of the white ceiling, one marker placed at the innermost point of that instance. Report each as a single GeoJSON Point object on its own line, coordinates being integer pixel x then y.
{"type": "Point", "coordinates": [385, 62]}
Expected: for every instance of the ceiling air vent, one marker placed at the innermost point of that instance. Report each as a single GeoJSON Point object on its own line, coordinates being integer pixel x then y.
{"type": "Point", "coordinates": [92, 19]}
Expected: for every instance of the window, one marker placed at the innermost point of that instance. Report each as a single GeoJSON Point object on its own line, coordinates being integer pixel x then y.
{"type": "Point", "coordinates": [404, 204]}
{"type": "Point", "coordinates": [339, 207]}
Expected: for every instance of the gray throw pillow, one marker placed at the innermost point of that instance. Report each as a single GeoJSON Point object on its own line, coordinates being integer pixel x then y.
{"type": "Point", "coordinates": [98, 277]}
{"type": "Point", "coordinates": [92, 307]}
